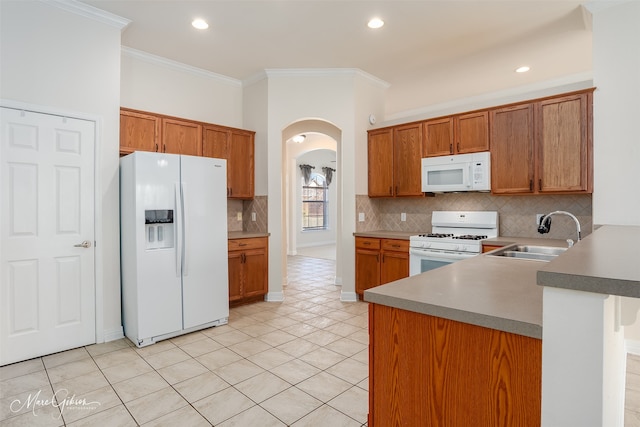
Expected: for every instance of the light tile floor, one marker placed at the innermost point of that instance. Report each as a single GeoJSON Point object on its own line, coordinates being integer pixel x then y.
{"type": "Point", "coordinates": [302, 362]}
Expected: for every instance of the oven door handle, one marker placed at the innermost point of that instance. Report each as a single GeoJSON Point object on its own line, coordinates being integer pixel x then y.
{"type": "Point", "coordinates": [439, 255]}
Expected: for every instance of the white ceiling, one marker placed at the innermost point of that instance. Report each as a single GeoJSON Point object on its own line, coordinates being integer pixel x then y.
{"type": "Point", "coordinates": [428, 51]}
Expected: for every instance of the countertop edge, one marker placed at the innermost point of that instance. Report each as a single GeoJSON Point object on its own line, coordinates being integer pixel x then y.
{"type": "Point", "coordinates": [596, 285]}
{"type": "Point", "coordinates": [477, 319]}
{"type": "Point", "coordinates": [231, 235]}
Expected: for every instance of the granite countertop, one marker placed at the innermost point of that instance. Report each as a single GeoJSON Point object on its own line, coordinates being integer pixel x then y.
{"type": "Point", "coordinates": [606, 262]}
{"type": "Point", "coordinates": [245, 234]}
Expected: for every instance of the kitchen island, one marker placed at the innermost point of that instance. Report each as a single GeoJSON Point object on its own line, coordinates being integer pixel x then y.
{"type": "Point", "coordinates": [462, 345]}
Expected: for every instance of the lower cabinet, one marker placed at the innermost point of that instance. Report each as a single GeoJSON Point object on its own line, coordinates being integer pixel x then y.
{"type": "Point", "coordinates": [248, 269]}
{"type": "Point", "coordinates": [380, 261]}
{"type": "Point", "coordinates": [431, 371]}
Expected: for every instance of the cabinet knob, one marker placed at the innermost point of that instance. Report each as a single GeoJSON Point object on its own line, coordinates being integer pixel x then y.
{"type": "Point", "coordinates": [530, 185]}
{"type": "Point", "coordinates": [540, 184]}
{"type": "Point", "coordinates": [450, 148]}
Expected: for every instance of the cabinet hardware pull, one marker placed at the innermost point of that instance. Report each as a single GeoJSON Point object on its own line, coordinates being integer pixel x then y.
{"type": "Point", "coordinates": [165, 148]}
{"type": "Point", "coordinates": [395, 246]}
{"type": "Point", "coordinates": [242, 244]}
{"type": "Point", "coordinates": [391, 191]}
{"type": "Point", "coordinates": [530, 185]}
{"type": "Point", "coordinates": [367, 243]}
{"type": "Point", "coordinates": [377, 258]}
{"type": "Point", "coordinates": [230, 191]}
{"type": "Point", "coordinates": [156, 148]}
{"type": "Point", "coordinates": [450, 148]}
{"type": "Point", "coordinates": [540, 184]}
{"type": "Point", "coordinates": [458, 147]}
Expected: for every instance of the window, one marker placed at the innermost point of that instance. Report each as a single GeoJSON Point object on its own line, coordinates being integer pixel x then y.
{"type": "Point", "coordinates": [314, 203]}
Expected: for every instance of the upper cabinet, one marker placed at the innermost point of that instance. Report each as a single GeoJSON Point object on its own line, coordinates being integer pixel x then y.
{"type": "Point", "coordinates": [465, 133]}
{"type": "Point", "coordinates": [142, 131]}
{"type": "Point", "coordinates": [543, 147]}
{"type": "Point", "coordinates": [394, 159]}
{"type": "Point", "coordinates": [139, 131]}
{"type": "Point", "coordinates": [181, 137]}
{"type": "Point", "coordinates": [237, 147]}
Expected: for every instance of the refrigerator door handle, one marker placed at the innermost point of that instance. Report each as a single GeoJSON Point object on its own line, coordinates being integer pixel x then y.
{"type": "Point", "coordinates": [178, 226]}
{"type": "Point", "coordinates": [185, 222]}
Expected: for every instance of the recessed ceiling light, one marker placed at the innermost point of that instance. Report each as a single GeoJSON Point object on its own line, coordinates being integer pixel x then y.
{"type": "Point", "coordinates": [375, 23]}
{"type": "Point", "coordinates": [522, 69]}
{"type": "Point", "coordinates": [299, 138]}
{"type": "Point", "coordinates": [200, 24]}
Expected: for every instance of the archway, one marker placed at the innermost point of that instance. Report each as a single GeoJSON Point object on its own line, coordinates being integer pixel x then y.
{"type": "Point", "coordinates": [323, 135]}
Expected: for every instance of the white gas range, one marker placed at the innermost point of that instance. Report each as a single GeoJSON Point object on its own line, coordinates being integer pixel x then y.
{"type": "Point", "coordinates": [455, 235]}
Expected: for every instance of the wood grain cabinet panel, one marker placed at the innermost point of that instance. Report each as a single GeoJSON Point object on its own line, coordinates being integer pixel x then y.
{"type": "Point", "coordinates": [380, 261]}
{"type": "Point", "coordinates": [248, 269]}
{"type": "Point", "coordinates": [472, 132]}
{"type": "Point", "coordinates": [380, 163]}
{"type": "Point", "coordinates": [563, 146]}
{"type": "Point", "coordinates": [237, 147]}
{"type": "Point", "coordinates": [438, 137]}
{"type": "Point", "coordinates": [430, 371]}
{"type": "Point", "coordinates": [139, 132]}
{"type": "Point", "coordinates": [512, 154]}
{"type": "Point", "coordinates": [181, 137]}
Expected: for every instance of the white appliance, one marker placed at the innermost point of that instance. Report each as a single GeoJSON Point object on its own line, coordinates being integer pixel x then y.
{"type": "Point", "coordinates": [173, 234]}
{"type": "Point", "coordinates": [454, 236]}
{"type": "Point", "coordinates": [461, 172]}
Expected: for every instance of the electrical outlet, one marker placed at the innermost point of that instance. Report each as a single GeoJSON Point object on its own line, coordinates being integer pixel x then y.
{"type": "Point", "coordinates": [360, 216]}
{"type": "Point", "coordinates": [403, 216]}
{"type": "Point", "coordinates": [253, 216]}
{"type": "Point", "coordinates": [538, 216]}
{"type": "Point", "coordinates": [239, 216]}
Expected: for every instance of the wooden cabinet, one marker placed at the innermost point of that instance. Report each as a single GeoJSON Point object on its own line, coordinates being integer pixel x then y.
{"type": "Point", "coordinates": [181, 137]}
{"type": "Point", "coordinates": [248, 269]}
{"type": "Point", "coordinates": [465, 133]}
{"type": "Point", "coordinates": [563, 126]}
{"type": "Point", "coordinates": [139, 132]}
{"type": "Point", "coordinates": [489, 248]}
{"type": "Point", "coordinates": [237, 147]}
{"type": "Point", "coordinates": [430, 371]}
{"type": "Point", "coordinates": [512, 163]}
{"type": "Point", "coordinates": [394, 161]}
{"type": "Point", "coordinates": [142, 131]}
{"type": "Point", "coordinates": [543, 146]}
{"type": "Point", "coordinates": [380, 261]}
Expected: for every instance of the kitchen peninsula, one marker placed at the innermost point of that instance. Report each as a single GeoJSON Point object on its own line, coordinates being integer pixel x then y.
{"type": "Point", "coordinates": [462, 345]}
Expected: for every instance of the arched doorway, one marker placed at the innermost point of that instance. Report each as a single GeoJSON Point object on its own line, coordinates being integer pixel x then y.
{"type": "Point", "coordinates": [320, 134]}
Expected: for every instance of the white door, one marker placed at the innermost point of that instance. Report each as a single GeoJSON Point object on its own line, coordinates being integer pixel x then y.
{"type": "Point", "coordinates": [47, 284]}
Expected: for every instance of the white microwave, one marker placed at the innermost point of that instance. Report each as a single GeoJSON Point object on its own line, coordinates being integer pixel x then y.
{"type": "Point", "coordinates": [461, 172]}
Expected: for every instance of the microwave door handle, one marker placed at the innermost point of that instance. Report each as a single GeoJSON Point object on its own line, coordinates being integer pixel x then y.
{"type": "Point", "coordinates": [470, 175]}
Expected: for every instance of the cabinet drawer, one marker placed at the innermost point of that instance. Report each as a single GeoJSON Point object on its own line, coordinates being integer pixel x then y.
{"type": "Point", "coordinates": [367, 243]}
{"type": "Point", "coordinates": [243, 244]}
{"type": "Point", "coordinates": [395, 245]}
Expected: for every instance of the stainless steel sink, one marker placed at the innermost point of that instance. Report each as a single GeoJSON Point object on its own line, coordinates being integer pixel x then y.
{"type": "Point", "coordinates": [538, 253]}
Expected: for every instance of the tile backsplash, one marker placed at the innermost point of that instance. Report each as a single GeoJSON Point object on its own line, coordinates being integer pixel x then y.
{"type": "Point", "coordinates": [517, 214]}
{"type": "Point", "coordinates": [246, 208]}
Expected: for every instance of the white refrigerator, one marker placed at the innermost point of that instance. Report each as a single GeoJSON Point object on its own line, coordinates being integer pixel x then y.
{"type": "Point", "coordinates": [173, 245]}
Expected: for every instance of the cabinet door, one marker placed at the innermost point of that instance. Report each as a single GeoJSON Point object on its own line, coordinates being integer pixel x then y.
{"type": "Point", "coordinates": [380, 163]}
{"type": "Point", "coordinates": [240, 165]}
{"type": "Point", "coordinates": [438, 137]}
{"type": "Point", "coordinates": [407, 160]}
{"type": "Point", "coordinates": [512, 149]}
{"type": "Point", "coordinates": [138, 132]}
{"type": "Point", "coordinates": [472, 132]}
{"type": "Point", "coordinates": [235, 276]}
{"type": "Point", "coordinates": [563, 144]}
{"type": "Point", "coordinates": [255, 272]}
{"type": "Point", "coordinates": [181, 137]}
{"type": "Point", "coordinates": [395, 265]}
{"type": "Point", "coordinates": [367, 269]}
{"type": "Point", "coordinates": [215, 142]}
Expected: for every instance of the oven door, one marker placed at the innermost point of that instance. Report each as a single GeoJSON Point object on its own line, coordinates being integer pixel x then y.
{"type": "Point", "coordinates": [421, 260]}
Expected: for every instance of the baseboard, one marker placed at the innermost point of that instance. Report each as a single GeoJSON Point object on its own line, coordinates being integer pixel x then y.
{"type": "Point", "coordinates": [348, 296]}
{"type": "Point", "coordinates": [274, 297]}
{"type": "Point", "coordinates": [632, 347]}
{"type": "Point", "coordinates": [114, 334]}
{"type": "Point", "coordinates": [316, 244]}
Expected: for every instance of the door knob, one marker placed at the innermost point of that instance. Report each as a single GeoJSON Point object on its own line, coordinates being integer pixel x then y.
{"type": "Point", "coordinates": [85, 244]}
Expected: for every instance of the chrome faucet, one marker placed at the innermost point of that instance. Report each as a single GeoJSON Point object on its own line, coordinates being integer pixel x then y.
{"type": "Point", "coordinates": [545, 224]}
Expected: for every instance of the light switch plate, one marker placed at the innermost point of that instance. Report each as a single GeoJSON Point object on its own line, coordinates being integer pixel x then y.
{"type": "Point", "coordinates": [253, 216]}
{"type": "Point", "coordinates": [360, 216]}
{"type": "Point", "coordinates": [239, 216]}
{"type": "Point", "coordinates": [403, 216]}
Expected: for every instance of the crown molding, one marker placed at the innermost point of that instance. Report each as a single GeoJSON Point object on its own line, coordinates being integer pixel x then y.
{"type": "Point", "coordinates": [317, 72]}
{"type": "Point", "coordinates": [90, 12]}
{"type": "Point", "coordinates": [179, 66]}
